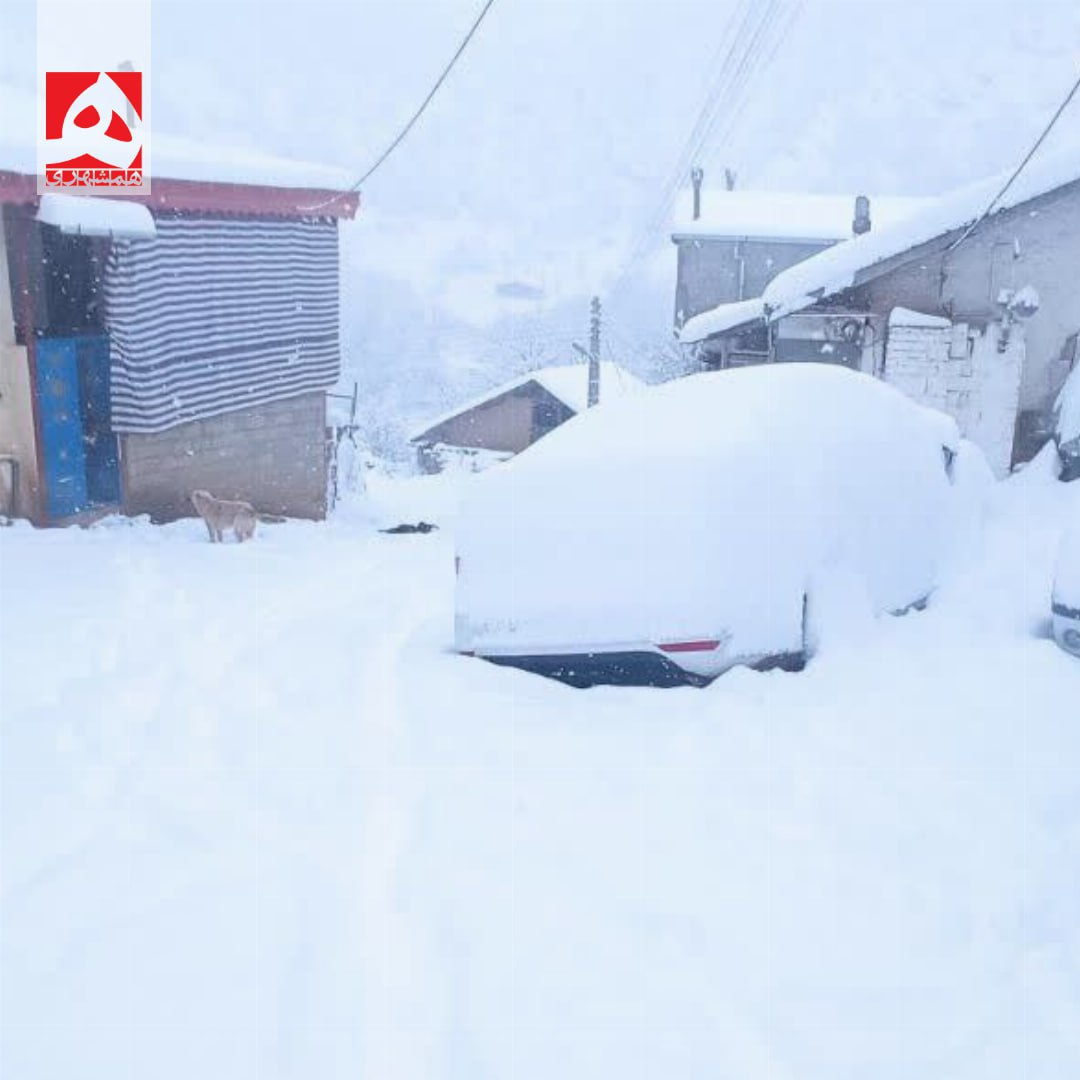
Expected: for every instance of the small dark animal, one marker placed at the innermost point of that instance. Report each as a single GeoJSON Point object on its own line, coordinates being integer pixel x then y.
{"type": "Point", "coordinates": [419, 527]}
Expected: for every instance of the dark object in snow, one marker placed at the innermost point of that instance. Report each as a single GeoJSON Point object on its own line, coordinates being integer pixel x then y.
{"type": "Point", "coordinates": [419, 527]}
{"type": "Point", "coordinates": [629, 668]}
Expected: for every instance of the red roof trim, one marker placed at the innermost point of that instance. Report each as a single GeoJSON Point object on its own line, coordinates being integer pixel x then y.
{"type": "Point", "coordinates": [196, 196]}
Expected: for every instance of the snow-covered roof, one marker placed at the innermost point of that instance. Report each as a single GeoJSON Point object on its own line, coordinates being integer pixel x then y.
{"type": "Point", "coordinates": [838, 267]}
{"type": "Point", "coordinates": [96, 217]}
{"type": "Point", "coordinates": [784, 215]}
{"type": "Point", "coordinates": [567, 382]}
{"type": "Point", "coordinates": [570, 382]}
{"type": "Point", "coordinates": [717, 320]}
{"type": "Point", "coordinates": [171, 156]}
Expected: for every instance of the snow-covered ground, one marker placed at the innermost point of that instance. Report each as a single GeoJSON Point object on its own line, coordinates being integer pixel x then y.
{"type": "Point", "coordinates": [257, 821]}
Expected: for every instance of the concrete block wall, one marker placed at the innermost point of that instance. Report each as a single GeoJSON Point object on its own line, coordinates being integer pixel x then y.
{"type": "Point", "coordinates": [961, 372]}
{"type": "Point", "coordinates": [273, 456]}
{"type": "Point", "coordinates": [917, 362]}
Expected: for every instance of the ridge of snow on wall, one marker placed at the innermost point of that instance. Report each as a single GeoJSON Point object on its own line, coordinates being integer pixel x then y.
{"type": "Point", "coordinates": [216, 315]}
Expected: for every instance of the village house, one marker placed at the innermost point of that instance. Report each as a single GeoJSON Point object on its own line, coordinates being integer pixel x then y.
{"type": "Point", "coordinates": [514, 415]}
{"type": "Point", "coordinates": [969, 305]}
{"type": "Point", "coordinates": [152, 345]}
{"type": "Point", "coordinates": [731, 243]}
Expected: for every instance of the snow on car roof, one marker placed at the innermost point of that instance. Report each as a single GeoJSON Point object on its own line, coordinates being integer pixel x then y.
{"type": "Point", "coordinates": [172, 156]}
{"type": "Point", "coordinates": [567, 382]}
{"type": "Point", "coordinates": [837, 268]}
{"type": "Point", "coordinates": [1067, 568]}
{"type": "Point", "coordinates": [783, 215]}
{"type": "Point", "coordinates": [715, 411]}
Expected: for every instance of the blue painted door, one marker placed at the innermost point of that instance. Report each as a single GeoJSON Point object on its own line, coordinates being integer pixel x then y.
{"type": "Point", "coordinates": [62, 455]}
{"type": "Point", "coordinates": [99, 443]}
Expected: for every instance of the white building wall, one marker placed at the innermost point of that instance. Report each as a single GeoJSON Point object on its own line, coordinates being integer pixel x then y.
{"type": "Point", "coordinates": [961, 371]}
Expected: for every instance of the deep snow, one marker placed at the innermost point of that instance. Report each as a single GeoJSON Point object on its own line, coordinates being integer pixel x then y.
{"type": "Point", "coordinates": [257, 820]}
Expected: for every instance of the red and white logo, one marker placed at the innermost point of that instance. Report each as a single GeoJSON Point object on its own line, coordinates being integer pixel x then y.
{"type": "Point", "coordinates": [94, 135]}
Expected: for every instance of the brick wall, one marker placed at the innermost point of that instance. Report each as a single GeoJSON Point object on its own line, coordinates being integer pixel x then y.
{"type": "Point", "coordinates": [273, 456]}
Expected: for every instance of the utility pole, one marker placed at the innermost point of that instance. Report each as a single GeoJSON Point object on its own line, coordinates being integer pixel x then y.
{"type": "Point", "coordinates": [594, 353]}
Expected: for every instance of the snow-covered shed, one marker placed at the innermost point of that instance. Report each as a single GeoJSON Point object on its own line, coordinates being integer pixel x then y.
{"type": "Point", "coordinates": [732, 243]}
{"type": "Point", "coordinates": [971, 311]}
{"type": "Point", "coordinates": [507, 419]}
{"type": "Point", "coordinates": [154, 344]}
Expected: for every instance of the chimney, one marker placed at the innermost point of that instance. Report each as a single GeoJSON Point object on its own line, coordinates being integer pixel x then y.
{"type": "Point", "coordinates": [697, 174]}
{"type": "Point", "coordinates": [861, 224]}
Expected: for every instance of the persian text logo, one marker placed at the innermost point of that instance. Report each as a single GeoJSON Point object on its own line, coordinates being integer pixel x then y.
{"type": "Point", "coordinates": [94, 135]}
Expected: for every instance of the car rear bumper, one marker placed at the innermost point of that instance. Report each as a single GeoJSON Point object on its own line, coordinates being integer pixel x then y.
{"type": "Point", "coordinates": [635, 667]}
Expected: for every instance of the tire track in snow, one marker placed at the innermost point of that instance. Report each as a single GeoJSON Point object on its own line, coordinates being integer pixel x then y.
{"type": "Point", "coordinates": [399, 1021]}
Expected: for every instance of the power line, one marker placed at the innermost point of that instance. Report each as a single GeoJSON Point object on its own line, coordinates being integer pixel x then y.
{"type": "Point", "coordinates": [735, 30]}
{"type": "Point", "coordinates": [749, 51]}
{"type": "Point", "coordinates": [416, 115]}
{"type": "Point", "coordinates": [1019, 168]}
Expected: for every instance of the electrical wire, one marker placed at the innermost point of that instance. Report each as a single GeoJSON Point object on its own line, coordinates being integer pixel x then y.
{"type": "Point", "coordinates": [415, 116]}
{"type": "Point", "coordinates": [748, 52]}
{"type": "Point", "coordinates": [735, 30]}
{"type": "Point", "coordinates": [1019, 168]}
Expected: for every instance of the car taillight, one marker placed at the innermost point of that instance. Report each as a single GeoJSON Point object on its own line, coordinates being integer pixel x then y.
{"type": "Point", "coordinates": [703, 645]}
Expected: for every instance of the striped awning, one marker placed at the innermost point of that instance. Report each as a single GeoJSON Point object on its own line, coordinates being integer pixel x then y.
{"type": "Point", "coordinates": [216, 315]}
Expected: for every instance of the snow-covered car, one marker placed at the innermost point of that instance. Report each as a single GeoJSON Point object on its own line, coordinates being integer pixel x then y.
{"type": "Point", "coordinates": [1066, 595]}
{"type": "Point", "coordinates": [709, 522]}
{"type": "Point", "coordinates": [1067, 426]}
